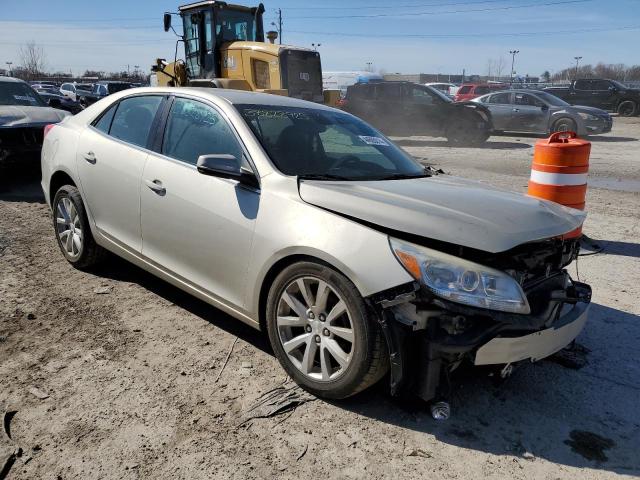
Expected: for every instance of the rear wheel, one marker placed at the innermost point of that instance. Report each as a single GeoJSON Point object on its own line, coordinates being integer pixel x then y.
{"type": "Point", "coordinates": [322, 332]}
{"type": "Point", "coordinates": [72, 229]}
{"type": "Point", "coordinates": [627, 108]}
{"type": "Point", "coordinates": [564, 125]}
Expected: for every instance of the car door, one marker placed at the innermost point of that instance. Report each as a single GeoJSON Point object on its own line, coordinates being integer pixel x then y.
{"type": "Point", "coordinates": [387, 112]}
{"type": "Point", "coordinates": [529, 114]}
{"type": "Point", "coordinates": [581, 94]}
{"type": "Point", "coordinates": [602, 95]}
{"type": "Point", "coordinates": [197, 226]}
{"type": "Point", "coordinates": [423, 111]}
{"type": "Point", "coordinates": [111, 155]}
{"type": "Point", "coordinates": [501, 109]}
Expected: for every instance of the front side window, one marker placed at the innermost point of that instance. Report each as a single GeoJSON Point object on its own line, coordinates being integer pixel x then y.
{"type": "Point", "coordinates": [194, 129]}
{"type": "Point", "coordinates": [526, 99]}
{"type": "Point", "coordinates": [133, 118]}
{"type": "Point", "coordinates": [325, 144]}
{"type": "Point", "coordinates": [464, 89]}
{"type": "Point", "coordinates": [421, 96]}
{"type": "Point", "coordinates": [583, 85]}
{"type": "Point", "coordinates": [500, 99]}
{"type": "Point", "coordinates": [481, 90]}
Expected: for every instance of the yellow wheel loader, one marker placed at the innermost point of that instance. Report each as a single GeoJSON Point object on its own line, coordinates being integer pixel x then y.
{"type": "Point", "coordinates": [224, 47]}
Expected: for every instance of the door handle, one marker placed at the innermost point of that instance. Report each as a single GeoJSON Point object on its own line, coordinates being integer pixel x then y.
{"type": "Point", "coordinates": [516, 109]}
{"type": "Point", "coordinates": [90, 157]}
{"type": "Point", "coordinates": [156, 186]}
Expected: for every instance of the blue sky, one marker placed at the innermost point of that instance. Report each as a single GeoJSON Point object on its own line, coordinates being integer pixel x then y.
{"type": "Point", "coordinates": [408, 36]}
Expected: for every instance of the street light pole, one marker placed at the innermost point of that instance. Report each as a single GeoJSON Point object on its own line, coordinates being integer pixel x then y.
{"type": "Point", "coordinates": [577, 59]}
{"type": "Point", "coordinates": [513, 61]}
{"type": "Point", "coordinates": [9, 64]}
{"type": "Point", "coordinates": [315, 46]}
{"type": "Point", "coordinates": [369, 66]}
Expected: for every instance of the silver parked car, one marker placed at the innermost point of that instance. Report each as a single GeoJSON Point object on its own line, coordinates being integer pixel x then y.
{"type": "Point", "coordinates": [306, 222]}
{"type": "Point", "coordinates": [534, 111]}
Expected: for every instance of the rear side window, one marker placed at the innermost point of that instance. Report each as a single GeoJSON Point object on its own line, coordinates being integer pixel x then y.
{"type": "Point", "coordinates": [500, 99]}
{"type": "Point", "coordinates": [133, 118]}
{"type": "Point", "coordinates": [465, 89]}
{"type": "Point", "coordinates": [104, 122]}
{"type": "Point", "coordinates": [195, 129]}
{"type": "Point", "coordinates": [388, 91]}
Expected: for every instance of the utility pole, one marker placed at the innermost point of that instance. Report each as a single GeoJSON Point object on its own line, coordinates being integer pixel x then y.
{"type": "Point", "coordinates": [513, 61]}
{"type": "Point", "coordinates": [9, 64]}
{"type": "Point", "coordinates": [369, 66]}
{"type": "Point", "coordinates": [315, 46]}
{"type": "Point", "coordinates": [577, 59]}
{"type": "Point", "coordinates": [279, 25]}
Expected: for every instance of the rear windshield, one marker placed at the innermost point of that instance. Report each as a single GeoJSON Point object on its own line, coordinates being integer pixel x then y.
{"type": "Point", "coordinates": [117, 87]}
{"type": "Point", "coordinates": [18, 93]}
{"type": "Point", "coordinates": [328, 144]}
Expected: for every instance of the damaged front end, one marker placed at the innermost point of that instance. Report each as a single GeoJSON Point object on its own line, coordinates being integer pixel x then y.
{"type": "Point", "coordinates": [478, 307]}
{"type": "Point", "coordinates": [20, 145]}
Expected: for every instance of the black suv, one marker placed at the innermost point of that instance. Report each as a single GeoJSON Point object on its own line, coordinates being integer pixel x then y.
{"type": "Point", "coordinates": [600, 93]}
{"type": "Point", "coordinates": [405, 109]}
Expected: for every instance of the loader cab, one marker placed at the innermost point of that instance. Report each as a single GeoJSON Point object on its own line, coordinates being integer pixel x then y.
{"type": "Point", "coordinates": [208, 25]}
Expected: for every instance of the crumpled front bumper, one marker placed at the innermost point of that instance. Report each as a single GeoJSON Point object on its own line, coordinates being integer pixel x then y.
{"type": "Point", "coordinates": [535, 346]}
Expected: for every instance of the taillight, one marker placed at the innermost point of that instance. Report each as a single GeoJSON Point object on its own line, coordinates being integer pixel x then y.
{"type": "Point", "coordinates": [47, 128]}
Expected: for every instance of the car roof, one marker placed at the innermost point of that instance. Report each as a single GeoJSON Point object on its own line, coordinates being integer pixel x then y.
{"type": "Point", "coordinates": [234, 97]}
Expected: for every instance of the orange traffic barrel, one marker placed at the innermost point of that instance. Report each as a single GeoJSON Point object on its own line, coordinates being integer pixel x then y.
{"type": "Point", "coordinates": [559, 171]}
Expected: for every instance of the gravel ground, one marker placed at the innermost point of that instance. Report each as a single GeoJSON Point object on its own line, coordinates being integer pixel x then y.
{"type": "Point", "coordinates": [132, 369]}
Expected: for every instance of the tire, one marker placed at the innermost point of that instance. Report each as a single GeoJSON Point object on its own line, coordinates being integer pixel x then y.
{"type": "Point", "coordinates": [83, 102]}
{"type": "Point", "coordinates": [463, 132]}
{"type": "Point", "coordinates": [366, 359]}
{"type": "Point", "coordinates": [564, 125]}
{"type": "Point", "coordinates": [78, 246]}
{"type": "Point", "coordinates": [627, 108]}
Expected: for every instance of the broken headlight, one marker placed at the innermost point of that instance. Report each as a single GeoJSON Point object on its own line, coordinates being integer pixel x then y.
{"type": "Point", "coordinates": [460, 280]}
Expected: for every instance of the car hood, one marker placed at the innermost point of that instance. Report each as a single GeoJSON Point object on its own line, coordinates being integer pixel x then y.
{"type": "Point", "coordinates": [591, 110]}
{"type": "Point", "coordinates": [446, 208]}
{"type": "Point", "coordinates": [23, 116]}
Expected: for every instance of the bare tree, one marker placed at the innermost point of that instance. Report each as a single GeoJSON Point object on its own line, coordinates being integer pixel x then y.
{"type": "Point", "coordinates": [500, 63]}
{"type": "Point", "coordinates": [489, 68]}
{"type": "Point", "coordinates": [32, 60]}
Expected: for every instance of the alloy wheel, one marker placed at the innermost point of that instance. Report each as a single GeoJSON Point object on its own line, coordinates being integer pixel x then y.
{"type": "Point", "coordinates": [68, 228]}
{"type": "Point", "coordinates": [315, 329]}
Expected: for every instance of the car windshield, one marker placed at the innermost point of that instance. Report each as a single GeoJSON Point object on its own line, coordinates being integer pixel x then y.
{"type": "Point", "coordinates": [551, 99]}
{"type": "Point", "coordinates": [439, 93]}
{"type": "Point", "coordinates": [17, 93]}
{"type": "Point", "coordinates": [327, 145]}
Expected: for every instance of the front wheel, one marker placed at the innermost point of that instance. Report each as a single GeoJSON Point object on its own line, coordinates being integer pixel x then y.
{"type": "Point", "coordinates": [564, 125]}
{"type": "Point", "coordinates": [322, 332]}
{"type": "Point", "coordinates": [72, 229]}
{"type": "Point", "coordinates": [627, 108]}
{"type": "Point", "coordinates": [464, 132]}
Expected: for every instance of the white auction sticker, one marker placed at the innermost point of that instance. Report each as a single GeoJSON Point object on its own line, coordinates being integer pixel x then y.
{"type": "Point", "coordinates": [373, 140]}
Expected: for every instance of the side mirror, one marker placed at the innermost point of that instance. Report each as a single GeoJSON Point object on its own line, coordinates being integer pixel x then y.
{"type": "Point", "coordinates": [167, 21]}
{"type": "Point", "coordinates": [54, 103]}
{"type": "Point", "coordinates": [226, 166]}
{"type": "Point", "coordinates": [612, 88]}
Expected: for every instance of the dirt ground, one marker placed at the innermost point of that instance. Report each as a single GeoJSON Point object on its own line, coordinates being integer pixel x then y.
{"type": "Point", "coordinates": [129, 365]}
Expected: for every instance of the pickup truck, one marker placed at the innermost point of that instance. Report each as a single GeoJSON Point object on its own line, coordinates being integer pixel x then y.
{"type": "Point", "coordinates": [101, 90]}
{"type": "Point", "coordinates": [605, 94]}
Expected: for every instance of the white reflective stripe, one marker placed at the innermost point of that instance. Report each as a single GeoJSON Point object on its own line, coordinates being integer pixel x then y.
{"type": "Point", "coordinates": [548, 178]}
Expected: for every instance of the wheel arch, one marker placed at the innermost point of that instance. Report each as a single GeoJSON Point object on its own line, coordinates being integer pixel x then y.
{"type": "Point", "coordinates": [58, 179]}
{"type": "Point", "coordinates": [285, 261]}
